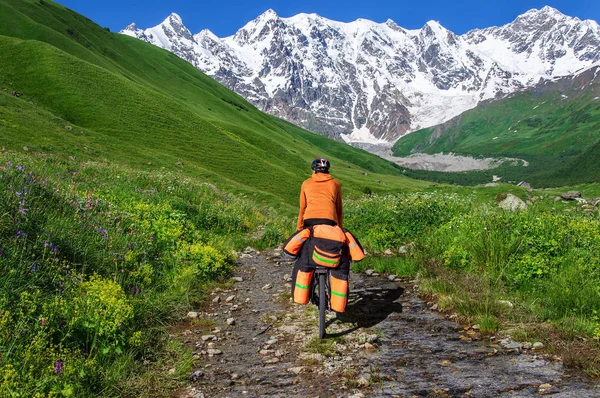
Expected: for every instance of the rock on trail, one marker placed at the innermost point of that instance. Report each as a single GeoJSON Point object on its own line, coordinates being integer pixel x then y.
{"type": "Point", "coordinates": [388, 343]}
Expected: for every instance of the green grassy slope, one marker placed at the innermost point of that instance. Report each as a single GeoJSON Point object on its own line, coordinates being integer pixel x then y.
{"type": "Point", "coordinates": [550, 125]}
{"type": "Point", "coordinates": [87, 92]}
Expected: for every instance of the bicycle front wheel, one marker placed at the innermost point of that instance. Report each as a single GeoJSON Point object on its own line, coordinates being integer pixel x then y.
{"type": "Point", "coordinates": [322, 304]}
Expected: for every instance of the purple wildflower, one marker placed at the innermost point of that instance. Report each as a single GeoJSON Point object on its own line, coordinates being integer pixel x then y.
{"type": "Point", "coordinates": [103, 232]}
{"type": "Point", "coordinates": [138, 290]}
{"type": "Point", "coordinates": [23, 211]}
{"type": "Point", "coordinates": [20, 168]}
{"type": "Point", "coordinates": [8, 164]}
{"type": "Point", "coordinates": [52, 246]}
{"type": "Point", "coordinates": [58, 367]}
{"type": "Point", "coordinates": [34, 267]}
{"type": "Point", "coordinates": [20, 234]}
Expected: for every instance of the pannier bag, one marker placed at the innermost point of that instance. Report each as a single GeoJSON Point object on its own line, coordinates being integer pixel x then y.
{"type": "Point", "coordinates": [327, 246]}
{"type": "Point", "coordinates": [356, 251]}
{"type": "Point", "coordinates": [302, 287]}
{"type": "Point", "coordinates": [327, 243]}
{"type": "Point", "coordinates": [295, 242]}
{"type": "Point", "coordinates": [338, 297]}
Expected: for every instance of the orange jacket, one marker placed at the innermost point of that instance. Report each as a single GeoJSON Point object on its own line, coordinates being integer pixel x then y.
{"type": "Point", "coordinates": [320, 197]}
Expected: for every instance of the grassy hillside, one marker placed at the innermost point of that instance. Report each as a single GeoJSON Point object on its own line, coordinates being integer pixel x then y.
{"type": "Point", "coordinates": [552, 126]}
{"type": "Point", "coordinates": [93, 94]}
{"type": "Point", "coordinates": [127, 181]}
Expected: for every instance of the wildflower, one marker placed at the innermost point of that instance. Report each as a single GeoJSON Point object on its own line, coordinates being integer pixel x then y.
{"type": "Point", "coordinates": [52, 246]}
{"type": "Point", "coordinates": [43, 321]}
{"type": "Point", "coordinates": [8, 164]}
{"type": "Point", "coordinates": [58, 367]}
{"type": "Point", "coordinates": [138, 290]}
{"type": "Point", "coordinates": [34, 267]}
{"type": "Point", "coordinates": [20, 234]}
{"type": "Point", "coordinates": [20, 168]}
{"type": "Point", "coordinates": [23, 211]}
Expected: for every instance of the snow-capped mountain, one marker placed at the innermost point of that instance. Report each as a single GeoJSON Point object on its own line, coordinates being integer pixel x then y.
{"type": "Point", "coordinates": [370, 82]}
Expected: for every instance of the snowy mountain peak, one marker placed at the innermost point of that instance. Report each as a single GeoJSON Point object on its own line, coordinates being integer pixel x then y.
{"type": "Point", "coordinates": [546, 11]}
{"type": "Point", "coordinates": [132, 27]}
{"type": "Point", "coordinates": [257, 29]}
{"type": "Point", "coordinates": [368, 82]}
{"type": "Point", "coordinates": [269, 14]}
{"type": "Point", "coordinates": [435, 25]}
{"type": "Point", "coordinates": [393, 25]}
{"type": "Point", "coordinates": [133, 31]}
{"type": "Point", "coordinates": [173, 18]}
{"type": "Point", "coordinates": [207, 33]}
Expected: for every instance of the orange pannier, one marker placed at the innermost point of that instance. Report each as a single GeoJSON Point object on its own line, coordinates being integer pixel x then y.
{"type": "Point", "coordinates": [302, 288]}
{"type": "Point", "coordinates": [295, 242]}
{"type": "Point", "coordinates": [327, 243]}
{"type": "Point", "coordinates": [339, 294]}
{"type": "Point", "coordinates": [356, 251]}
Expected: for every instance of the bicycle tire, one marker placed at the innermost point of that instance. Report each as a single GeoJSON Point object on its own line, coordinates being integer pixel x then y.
{"type": "Point", "coordinates": [322, 304]}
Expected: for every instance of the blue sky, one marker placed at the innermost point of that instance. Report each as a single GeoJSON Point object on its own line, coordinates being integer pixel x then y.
{"type": "Point", "coordinates": [225, 17]}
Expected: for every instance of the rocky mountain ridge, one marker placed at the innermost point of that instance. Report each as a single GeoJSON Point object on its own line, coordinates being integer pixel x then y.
{"type": "Point", "coordinates": [370, 82]}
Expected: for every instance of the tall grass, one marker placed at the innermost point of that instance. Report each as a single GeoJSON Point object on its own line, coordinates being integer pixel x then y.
{"type": "Point", "coordinates": [96, 259]}
{"type": "Point", "coordinates": [478, 258]}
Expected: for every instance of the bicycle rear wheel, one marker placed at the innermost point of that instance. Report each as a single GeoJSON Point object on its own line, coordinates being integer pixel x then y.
{"type": "Point", "coordinates": [322, 304]}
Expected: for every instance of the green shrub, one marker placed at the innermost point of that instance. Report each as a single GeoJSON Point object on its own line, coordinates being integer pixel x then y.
{"type": "Point", "coordinates": [100, 313]}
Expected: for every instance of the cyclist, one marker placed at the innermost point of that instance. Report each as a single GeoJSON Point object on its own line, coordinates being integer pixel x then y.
{"type": "Point", "coordinates": [320, 203]}
{"type": "Point", "coordinates": [320, 198]}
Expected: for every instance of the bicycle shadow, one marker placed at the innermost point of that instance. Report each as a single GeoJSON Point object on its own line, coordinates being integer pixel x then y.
{"type": "Point", "coordinates": [368, 307]}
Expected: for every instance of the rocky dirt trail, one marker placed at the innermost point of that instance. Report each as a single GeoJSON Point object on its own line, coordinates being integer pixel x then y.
{"type": "Point", "coordinates": [250, 341]}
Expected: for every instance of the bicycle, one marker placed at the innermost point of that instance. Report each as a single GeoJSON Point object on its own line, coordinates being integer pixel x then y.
{"type": "Point", "coordinates": [320, 295]}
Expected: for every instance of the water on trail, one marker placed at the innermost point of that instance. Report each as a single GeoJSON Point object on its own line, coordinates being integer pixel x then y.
{"type": "Point", "coordinates": [252, 342]}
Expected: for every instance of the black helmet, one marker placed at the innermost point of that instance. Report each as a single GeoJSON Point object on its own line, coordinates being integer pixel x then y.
{"type": "Point", "coordinates": [320, 165]}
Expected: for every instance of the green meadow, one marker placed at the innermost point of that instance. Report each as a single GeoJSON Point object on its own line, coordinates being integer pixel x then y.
{"type": "Point", "coordinates": [129, 180]}
{"type": "Point", "coordinates": [555, 128]}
